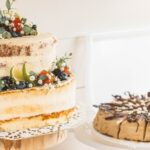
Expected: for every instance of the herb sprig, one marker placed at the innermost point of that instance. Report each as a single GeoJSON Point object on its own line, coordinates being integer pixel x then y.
{"type": "Point", "coordinates": [60, 62]}
{"type": "Point", "coordinates": [13, 25]}
{"type": "Point", "coordinates": [9, 4]}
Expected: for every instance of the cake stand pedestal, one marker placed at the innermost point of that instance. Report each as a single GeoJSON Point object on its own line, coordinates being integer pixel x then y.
{"type": "Point", "coordinates": [35, 143]}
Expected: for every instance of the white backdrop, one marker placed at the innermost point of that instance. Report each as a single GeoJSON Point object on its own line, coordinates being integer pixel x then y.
{"type": "Point", "coordinates": [112, 63]}
{"type": "Point", "coordinates": [110, 40]}
{"type": "Point", "coordinates": [121, 63]}
{"type": "Point", "coordinates": [67, 18]}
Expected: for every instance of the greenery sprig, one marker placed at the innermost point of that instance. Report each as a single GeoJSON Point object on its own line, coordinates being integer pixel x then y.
{"type": "Point", "coordinates": [13, 25]}
{"type": "Point", "coordinates": [9, 4]}
{"type": "Point", "coordinates": [60, 62]}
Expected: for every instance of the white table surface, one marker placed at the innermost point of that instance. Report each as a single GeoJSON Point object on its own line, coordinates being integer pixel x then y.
{"type": "Point", "coordinates": [71, 143]}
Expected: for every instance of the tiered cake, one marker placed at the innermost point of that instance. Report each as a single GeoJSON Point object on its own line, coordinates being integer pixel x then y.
{"type": "Point", "coordinates": [125, 118]}
{"type": "Point", "coordinates": [33, 93]}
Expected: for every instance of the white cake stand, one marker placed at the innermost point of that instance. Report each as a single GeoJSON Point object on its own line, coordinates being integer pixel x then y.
{"type": "Point", "coordinates": [40, 138]}
{"type": "Point", "coordinates": [35, 143]}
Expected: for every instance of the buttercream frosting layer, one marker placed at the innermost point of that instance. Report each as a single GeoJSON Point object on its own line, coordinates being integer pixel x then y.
{"type": "Point", "coordinates": [37, 121]}
{"type": "Point", "coordinates": [37, 101]}
{"type": "Point", "coordinates": [37, 51]}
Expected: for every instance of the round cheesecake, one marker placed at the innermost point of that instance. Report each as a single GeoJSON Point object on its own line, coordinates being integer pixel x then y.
{"type": "Point", "coordinates": [125, 118]}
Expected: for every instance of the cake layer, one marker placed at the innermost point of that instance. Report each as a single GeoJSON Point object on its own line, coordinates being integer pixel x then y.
{"type": "Point", "coordinates": [37, 101]}
{"type": "Point", "coordinates": [105, 126]}
{"type": "Point", "coordinates": [34, 50]}
{"type": "Point", "coordinates": [37, 121]}
{"type": "Point", "coordinates": [121, 128]}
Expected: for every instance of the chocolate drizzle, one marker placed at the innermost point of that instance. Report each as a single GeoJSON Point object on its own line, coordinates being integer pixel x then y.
{"type": "Point", "coordinates": [133, 107]}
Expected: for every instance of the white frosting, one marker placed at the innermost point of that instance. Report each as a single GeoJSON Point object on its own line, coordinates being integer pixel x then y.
{"type": "Point", "coordinates": [26, 104]}
{"type": "Point", "coordinates": [41, 57]}
{"type": "Point", "coordinates": [36, 64]}
{"type": "Point", "coordinates": [25, 40]}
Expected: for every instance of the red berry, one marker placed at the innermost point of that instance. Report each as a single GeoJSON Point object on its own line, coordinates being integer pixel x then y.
{"type": "Point", "coordinates": [17, 24]}
{"type": "Point", "coordinates": [47, 79]}
{"type": "Point", "coordinates": [44, 72]}
{"type": "Point", "coordinates": [66, 70]}
{"type": "Point", "coordinates": [18, 29]}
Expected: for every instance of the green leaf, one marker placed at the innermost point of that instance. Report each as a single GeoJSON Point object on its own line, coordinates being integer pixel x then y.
{"type": "Point", "coordinates": [6, 35]}
{"type": "Point", "coordinates": [42, 77]}
{"type": "Point", "coordinates": [27, 30]}
{"type": "Point", "coordinates": [32, 73]}
{"type": "Point", "coordinates": [8, 4]}
{"type": "Point", "coordinates": [2, 30]}
{"type": "Point", "coordinates": [2, 20]}
{"type": "Point", "coordinates": [1, 85]}
{"type": "Point", "coordinates": [1, 13]}
{"type": "Point", "coordinates": [33, 32]}
{"type": "Point", "coordinates": [23, 20]}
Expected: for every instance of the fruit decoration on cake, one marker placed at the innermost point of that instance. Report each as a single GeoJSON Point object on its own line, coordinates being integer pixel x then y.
{"type": "Point", "coordinates": [21, 77]}
{"type": "Point", "coordinates": [14, 25]}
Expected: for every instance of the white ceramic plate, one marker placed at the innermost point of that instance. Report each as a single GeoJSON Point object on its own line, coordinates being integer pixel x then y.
{"type": "Point", "coordinates": [88, 135]}
{"type": "Point", "coordinates": [118, 142]}
{"type": "Point", "coordinates": [85, 135]}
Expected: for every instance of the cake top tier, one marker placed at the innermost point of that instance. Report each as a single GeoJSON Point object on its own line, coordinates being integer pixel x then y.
{"type": "Point", "coordinates": [26, 46]}
{"type": "Point", "coordinates": [133, 108]}
{"type": "Point", "coordinates": [29, 39]}
{"type": "Point", "coordinates": [14, 25]}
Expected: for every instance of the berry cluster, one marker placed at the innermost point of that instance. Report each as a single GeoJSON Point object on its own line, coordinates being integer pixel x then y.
{"type": "Point", "coordinates": [13, 25]}
{"type": "Point", "coordinates": [8, 83]}
{"type": "Point", "coordinates": [50, 78]}
{"type": "Point", "coordinates": [43, 78]}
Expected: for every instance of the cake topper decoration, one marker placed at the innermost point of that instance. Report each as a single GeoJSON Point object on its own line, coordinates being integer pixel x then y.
{"type": "Point", "coordinates": [14, 25]}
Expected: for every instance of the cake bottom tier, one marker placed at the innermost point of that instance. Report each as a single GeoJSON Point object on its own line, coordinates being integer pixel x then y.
{"type": "Point", "coordinates": [37, 121]}
{"type": "Point", "coordinates": [121, 128]}
{"type": "Point", "coordinates": [36, 143]}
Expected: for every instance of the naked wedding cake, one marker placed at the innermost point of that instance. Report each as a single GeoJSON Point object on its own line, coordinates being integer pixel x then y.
{"type": "Point", "coordinates": [36, 88]}
{"type": "Point", "coordinates": [125, 118]}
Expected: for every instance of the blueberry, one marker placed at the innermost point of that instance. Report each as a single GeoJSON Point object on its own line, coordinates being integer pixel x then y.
{"type": "Point", "coordinates": [4, 88]}
{"type": "Point", "coordinates": [62, 77]}
{"type": "Point", "coordinates": [14, 34]}
{"type": "Point", "coordinates": [34, 27]}
{"type": "Point", "coordinates": [21, 85]}
{"type": "Point", "coordinates": [8, 83]}
{"type": "Point", "coordinates": [7, 80]}
{"type": "Point", "coordinates": [23, 20]}
{"type": "Point", "coordinates": [58, 73]}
